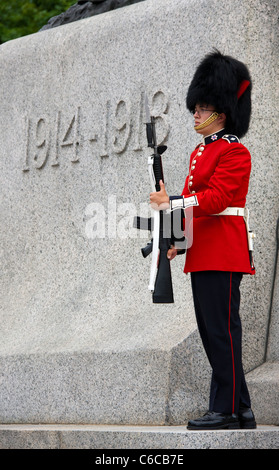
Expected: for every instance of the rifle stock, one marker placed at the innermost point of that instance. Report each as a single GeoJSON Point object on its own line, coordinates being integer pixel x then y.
{"type": "Point", "coordinates": [163, 290]}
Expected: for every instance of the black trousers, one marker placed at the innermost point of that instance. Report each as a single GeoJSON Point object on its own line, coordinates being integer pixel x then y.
{"type": "Point", "coordinates": [216, 298]}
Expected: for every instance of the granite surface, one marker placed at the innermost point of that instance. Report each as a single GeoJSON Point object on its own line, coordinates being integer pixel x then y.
{"type": "Point", "coordinates": [80, 340]}
{"type": "Point", "coordinates": [134, 437]}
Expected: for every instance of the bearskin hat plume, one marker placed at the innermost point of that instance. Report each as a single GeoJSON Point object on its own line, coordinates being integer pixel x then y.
{"type": "Point", "coordinates": [225, 83]}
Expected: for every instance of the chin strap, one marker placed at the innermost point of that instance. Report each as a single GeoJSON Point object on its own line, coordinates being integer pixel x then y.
{"type": "Point", "coordinates": [208, 121]}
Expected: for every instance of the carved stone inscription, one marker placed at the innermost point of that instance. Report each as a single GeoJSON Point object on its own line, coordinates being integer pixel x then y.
{"type": "Point", "coordinates": [65, 136]}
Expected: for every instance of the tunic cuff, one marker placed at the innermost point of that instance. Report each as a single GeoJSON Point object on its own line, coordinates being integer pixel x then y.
{"type": "Point", "coordinates": [181, 202]}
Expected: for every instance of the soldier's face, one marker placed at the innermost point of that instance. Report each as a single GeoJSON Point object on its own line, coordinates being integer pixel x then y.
{"type": "Point", "coordinates": [202, 113]}
{"type": "Point", "coordinates": [207, 121]}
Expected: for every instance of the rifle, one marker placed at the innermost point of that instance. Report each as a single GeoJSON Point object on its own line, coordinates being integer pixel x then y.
{"type": "Point", "coordinates": [160, 225]}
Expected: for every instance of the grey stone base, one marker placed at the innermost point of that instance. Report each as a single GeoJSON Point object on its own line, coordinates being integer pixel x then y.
{"type": "Point", "coordinates": [133, 437]}
{"type": "Point", "coordinates": [263, 387]}
{"type": "Point", "coordinates": [80, 340]}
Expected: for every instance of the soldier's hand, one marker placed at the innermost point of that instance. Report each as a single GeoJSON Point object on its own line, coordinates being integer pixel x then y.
{"type": "Point", "coordinates": [172, 252]}
{"type": "Point", "coordinates": [159, 200]}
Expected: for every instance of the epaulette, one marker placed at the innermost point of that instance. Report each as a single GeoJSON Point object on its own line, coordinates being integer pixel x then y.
{"type": "Point", "coordinates": [231, 138]}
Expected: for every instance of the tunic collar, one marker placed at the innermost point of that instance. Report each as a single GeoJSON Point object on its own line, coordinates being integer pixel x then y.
{"type": "Point", "coordinates": [213, 137]}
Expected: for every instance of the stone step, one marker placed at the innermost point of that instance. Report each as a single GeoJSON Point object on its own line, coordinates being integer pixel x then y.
{"type": "Point", "coordinates": [59, 436]}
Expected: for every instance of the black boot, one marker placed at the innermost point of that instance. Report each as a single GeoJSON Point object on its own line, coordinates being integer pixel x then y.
{"type": "Point", "coordinates": [246, 418]}
{"type": "Point", "coordinates": [212, 420]}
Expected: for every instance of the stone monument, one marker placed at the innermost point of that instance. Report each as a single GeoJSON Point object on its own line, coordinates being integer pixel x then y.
{"type": "Point", "coordinates": [85, 9]}
{"type": "Point", "coordinates": [81, 341]}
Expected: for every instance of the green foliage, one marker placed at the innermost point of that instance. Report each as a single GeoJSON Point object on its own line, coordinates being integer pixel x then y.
{"type": "Point", "coordinates": [21, 17]}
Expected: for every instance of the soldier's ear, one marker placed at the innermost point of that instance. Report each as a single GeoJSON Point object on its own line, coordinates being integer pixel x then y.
{"type": "Point", "coordinates": [222, 118]}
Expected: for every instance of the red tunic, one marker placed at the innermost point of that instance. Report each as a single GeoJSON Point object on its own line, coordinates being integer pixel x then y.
{"type": "Point", "coordinates": [219, 176]}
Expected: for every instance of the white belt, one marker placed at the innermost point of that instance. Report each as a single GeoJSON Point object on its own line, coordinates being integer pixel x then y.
{"type": "Point", "coordinates": [242, 211]}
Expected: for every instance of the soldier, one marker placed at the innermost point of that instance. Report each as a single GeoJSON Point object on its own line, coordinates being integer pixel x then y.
{"type": "Point", "coordinates": [215, 189]}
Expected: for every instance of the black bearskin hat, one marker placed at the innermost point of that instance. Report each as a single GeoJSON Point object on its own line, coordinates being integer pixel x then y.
{"type": "Point", "coordinates": [225, 83]}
